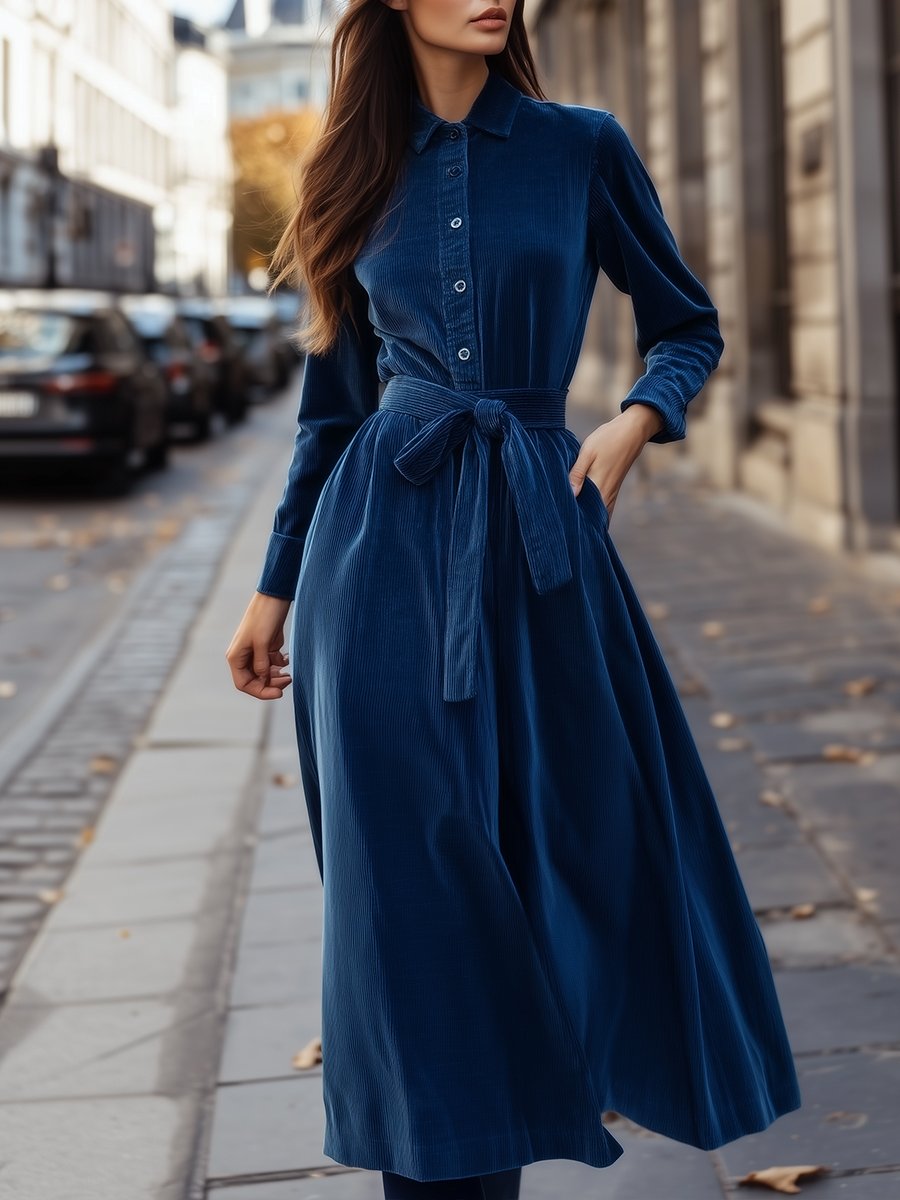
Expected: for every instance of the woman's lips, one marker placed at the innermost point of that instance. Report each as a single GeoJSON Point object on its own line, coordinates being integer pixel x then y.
{"type": "Point", "coordinates": [491, 18]}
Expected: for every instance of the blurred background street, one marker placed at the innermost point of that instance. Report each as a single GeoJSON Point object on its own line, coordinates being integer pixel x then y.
{"type": "Point", "coordinates": [160, 907]}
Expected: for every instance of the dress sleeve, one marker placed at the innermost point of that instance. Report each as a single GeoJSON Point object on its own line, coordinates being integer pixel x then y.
{"type": "Point", "coordinates": [339, 390]}
{"type": "Point", "coordinates": [676, 324]}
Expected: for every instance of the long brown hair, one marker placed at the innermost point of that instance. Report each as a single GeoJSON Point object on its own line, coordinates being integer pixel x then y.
{"type": "Point", "coordinates": [346, 175]}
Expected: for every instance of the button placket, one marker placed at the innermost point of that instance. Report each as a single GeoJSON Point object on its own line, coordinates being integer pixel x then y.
{"type": "Point", "coordinates": [454, 259]}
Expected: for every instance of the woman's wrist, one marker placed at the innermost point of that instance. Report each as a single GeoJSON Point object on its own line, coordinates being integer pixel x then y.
{"type": "Point", "coordinates": [264, 599]}
{"type": "Point", "coordinates": [645, 417]}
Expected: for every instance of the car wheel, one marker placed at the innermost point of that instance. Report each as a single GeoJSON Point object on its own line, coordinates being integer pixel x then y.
{"type": "Point", "coordinates": [157, 457]}
{"type": "Point", "coordinates": [115, 477]}
{"type": "Point", "coordinates": [202, 426]}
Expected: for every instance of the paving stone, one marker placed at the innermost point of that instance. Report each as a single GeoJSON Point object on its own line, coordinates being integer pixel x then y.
{"type": "Point", "coordinates": [855, 809]}
{"type": "Point", "coordinates": [286, 861]}
{"type": "Point", "coordinates": [849, 1118]}
{"type": "Point", "coordinates": [85, 1049]}
{"type": "Point", "coordinates": [651, 1168]}
{"type": "Point", "coordinates": [838, 1008]}
{"type": "Point", "coordinates": [832, 936]}
{"type": "Point", "coordinates": [271, 1126]}
{"type": "Point", "coordinates": [288, 915]}
{"type": "Point", "coordinates": [782, 876]}
{"type": "Point", "coordinates": [342, 1185]}
{"type": "Point", "coordinates": [152, 961]}
{"type": "Point", "coordinates": [261, 1042]}
{"type": "Point", "coordinates": [97, 1149]}
{"type": "Point", "coordinates": [119, 894]}
{"type": "Point", "coordinates": [276, 975]}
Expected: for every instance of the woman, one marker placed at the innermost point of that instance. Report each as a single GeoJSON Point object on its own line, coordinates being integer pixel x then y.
{"type": "Point", "coordinates": [532, 914]}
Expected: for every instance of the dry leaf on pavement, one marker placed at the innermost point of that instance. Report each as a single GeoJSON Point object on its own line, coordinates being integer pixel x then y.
{"type": "Point", "coordinates": [782, 1179]}
{"type": "Point", "coordinates": [840, 752]}
{"type": "Point", "coordinates": [800, 911]}
{"type": "Point", "coordinates": [861, 686]}
{"type": "Point", "coordinates": [103, 764]}
{"type": "Point", "coordinates": [819, 604]}
{"type": "Point", "coordinates": [723, 720]}
{"type": "Point", "coordinates": [309, 1055]}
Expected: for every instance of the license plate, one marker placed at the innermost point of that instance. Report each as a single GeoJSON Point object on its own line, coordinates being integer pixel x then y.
{"type": "Point", "coordinates": [18, 404]}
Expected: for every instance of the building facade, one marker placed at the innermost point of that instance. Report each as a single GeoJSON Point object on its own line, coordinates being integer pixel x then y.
{"type": "Point", "coordinates": [278, 54]}
{"type": "Point", "coordinates": [772, 131]}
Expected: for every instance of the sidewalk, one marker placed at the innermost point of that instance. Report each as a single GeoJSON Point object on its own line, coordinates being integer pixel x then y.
{"type": "Point", "coordinates": [192, 921]}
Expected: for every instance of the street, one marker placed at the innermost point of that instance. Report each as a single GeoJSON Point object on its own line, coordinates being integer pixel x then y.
{"type": "Point", "coordinates": [171, 976]}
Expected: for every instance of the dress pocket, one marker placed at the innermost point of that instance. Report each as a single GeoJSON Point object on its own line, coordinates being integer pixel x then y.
{"type": "Point", "coordinates": [591, 495]}
{"type": "Point", "coordinates": [590, 499]}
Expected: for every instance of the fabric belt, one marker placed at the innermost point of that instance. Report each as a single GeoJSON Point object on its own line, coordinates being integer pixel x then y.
{"type": "Point", "coordinates": [472, 418]}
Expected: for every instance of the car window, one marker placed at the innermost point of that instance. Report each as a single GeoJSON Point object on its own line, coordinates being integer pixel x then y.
{"type": "Point", "coordinates": [33, 333]}
{"type": "Point", "coordinates": [119, 334]}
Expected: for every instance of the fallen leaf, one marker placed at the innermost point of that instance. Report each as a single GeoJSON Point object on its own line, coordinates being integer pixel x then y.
{"type": "Point", "coordinates": [103, 764]}
{"type": "Point", "coordinates": [7, 688]}
{"type": "Point", "coordinates": [167, 528]}
{"type": "Point", "coordinates": [86, 835]}
{"type": "Point", "coordinates": [848, 1120]}
{"type": "Point", "coordinates": [771, 798]}
{"type": "Point", "coordinates": [656, 610]}
{"type": "Point", "coordinates": [732, 743]}
{"type": "Point", "coordinates": [124, 933]}
{"type": "Point", "coordinates": [801, 911]}
{"type": "Point", "coordinates": [309, 1055]}
{"type": "Point", "coordinates": [819, 604]}
{"type": "Point", "coordinates": [861, 686]}
{"type": "Point", "coordinates": [866, 895]}
{"type": "Point", "coordinates": [284, 779]}
{"type": "Point", "coordinates": [723, 720]}
{"type": "Point", "coordinates": [51, 895]}
{"type": "Point", "coordinates": [782, 1179]}
{"type": "Point", "coordinates": [691, 687]}
{"type": "Point", "coordinates": [712, 629]}
{"type": "Point", "coordinates": [840, 752]}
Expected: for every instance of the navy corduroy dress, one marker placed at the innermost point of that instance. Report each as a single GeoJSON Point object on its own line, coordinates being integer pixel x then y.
{"type": "Point", "coordinates": [532, 913]}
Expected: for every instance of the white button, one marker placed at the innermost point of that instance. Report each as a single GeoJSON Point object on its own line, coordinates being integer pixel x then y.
{"type": "Point", "coordinates": [456, 222]}
{"type": "Point", "coordinates": [463, 353]}
{"type": "Point", "coordinates": [460, 285]}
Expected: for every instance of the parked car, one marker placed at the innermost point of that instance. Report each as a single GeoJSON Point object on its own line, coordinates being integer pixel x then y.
{"type": "Point", "coordinates": [269, 359]}
{"type": "Point", "coordinates": [190, 379]}
{"type": "Point", "coordinates": [76, 386]}
{"type": "Point", "coordinates": [287, 307]}
{"type": "Point", "coordinates": [217, 344]}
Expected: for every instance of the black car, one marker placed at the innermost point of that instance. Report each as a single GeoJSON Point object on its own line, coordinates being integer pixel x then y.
{"type": "Point", "coordinates": [190, 380]}
{"type": "Point", "coordinates": [216, 344]}
{"type": "Point", "coordinates": [269, 358]}
{"type": "Point", "coordinates": [76, 386]}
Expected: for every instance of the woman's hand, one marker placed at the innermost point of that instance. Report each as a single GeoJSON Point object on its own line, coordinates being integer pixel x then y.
{"type": "Point", "coordinates": [255, 655]}
{"type": "Point", "coordinates": [607, 454]}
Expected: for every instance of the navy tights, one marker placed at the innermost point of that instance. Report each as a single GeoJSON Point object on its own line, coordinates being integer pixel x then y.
{"type": "Point", "coordinates": [498, 1185]}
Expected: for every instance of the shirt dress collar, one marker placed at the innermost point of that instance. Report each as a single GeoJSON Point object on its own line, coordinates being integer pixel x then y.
{"type": "Point", "coordinates": [493, 110]}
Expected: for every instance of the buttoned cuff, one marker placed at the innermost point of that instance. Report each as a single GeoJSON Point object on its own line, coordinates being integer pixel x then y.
{"type": "Point", "coordinates": [281, 566]}
{"type": "Point", "coordinates": [672, 412]}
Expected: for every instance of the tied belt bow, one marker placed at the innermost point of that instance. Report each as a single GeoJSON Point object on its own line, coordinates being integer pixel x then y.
{"type": "Point", "coordinates": [473, 418]}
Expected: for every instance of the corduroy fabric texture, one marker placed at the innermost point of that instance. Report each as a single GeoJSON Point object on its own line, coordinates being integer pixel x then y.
{"type": "Point", "coordinates": [532, 913]}
{"type": "Point", "coordinates": [503, 1185]}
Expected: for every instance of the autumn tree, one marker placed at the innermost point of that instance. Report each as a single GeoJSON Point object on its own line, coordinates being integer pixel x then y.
{"type": "Point", "coordinates": [266, 151]}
